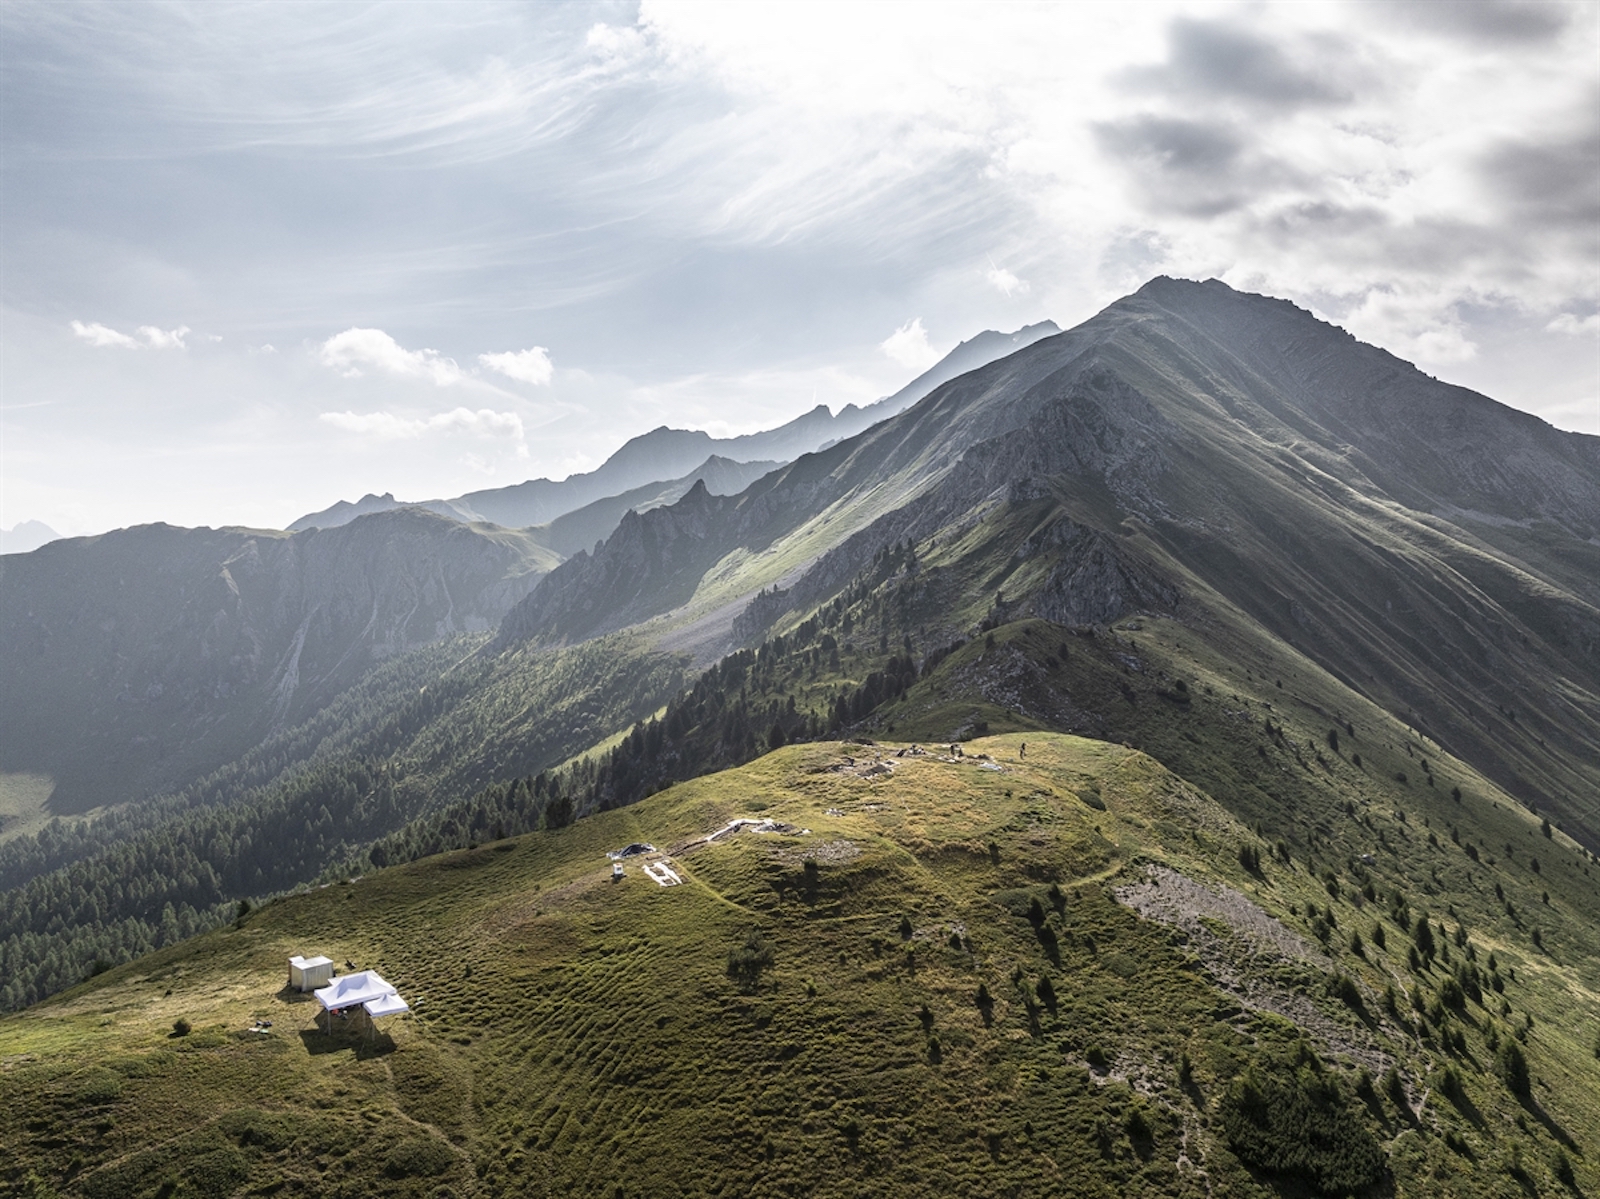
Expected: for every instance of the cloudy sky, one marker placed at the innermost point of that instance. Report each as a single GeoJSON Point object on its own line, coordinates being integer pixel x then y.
{"type": "Point", "coordinates": [256, 258]}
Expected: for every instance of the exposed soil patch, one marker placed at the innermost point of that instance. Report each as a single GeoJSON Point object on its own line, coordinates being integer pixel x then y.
{"type": "Point", "coordinates": [1245, 952]}
{"type": "Point", "coordinates": [827, 853]}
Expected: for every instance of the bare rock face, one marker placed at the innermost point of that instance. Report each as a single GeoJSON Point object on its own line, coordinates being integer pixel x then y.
{"type": "Point", "coordinates": [652, 562]}
{"type": "Point", "coordinates": [150, 649]}
{"type": "Point", "coordinates": [1094, 581]}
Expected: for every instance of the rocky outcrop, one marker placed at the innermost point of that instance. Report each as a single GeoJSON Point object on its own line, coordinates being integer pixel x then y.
{"type": "Point", "coordinates": [1093, 581]}
{"type": "Point", "coordinates": [652, 563]}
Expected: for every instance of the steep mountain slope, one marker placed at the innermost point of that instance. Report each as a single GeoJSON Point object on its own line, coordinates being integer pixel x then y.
{"type": "Point", "coordinates": [141, 659]}
{"type": "Point", "coordinates": [583, 527]}
{"type": "Point", "coordinates": [26, 536]}
{"type": "Point", "coordinates": [1191, 441]}
{"type": "Point", "coordinates": [666, 454]}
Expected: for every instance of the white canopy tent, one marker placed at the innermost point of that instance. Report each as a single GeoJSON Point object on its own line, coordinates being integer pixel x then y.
{"type": "Point", "coordinates": [365, 989]}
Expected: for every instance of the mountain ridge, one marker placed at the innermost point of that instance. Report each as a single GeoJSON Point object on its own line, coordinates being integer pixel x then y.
{"type": "Point", "coordinates": [665, 453]}
{"type": "Point", "coordinates": [1142, 414]}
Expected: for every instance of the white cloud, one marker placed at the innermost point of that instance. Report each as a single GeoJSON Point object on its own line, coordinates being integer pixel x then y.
{"type": "Point", "coordinates": [1004, 282]}
{"type": "Point", "coordinates": [1575, 325]}
{"type": "Point", "coordinates": [353, 349]}
{"type": "Point", "coordinates": [1417, 325]}
{"type": "Point", "coordinates": [97, 334]}
{"type": "Point", "coordinates": [617, 46]}
{"type": "Point", "coordinates": [164, 339]}
{"type": "Point", "coordinates": [908, 345]}
{"type": "Point", "coordinates": [525, 366]}
{"type": "Point", "coordinates": [482, 422]}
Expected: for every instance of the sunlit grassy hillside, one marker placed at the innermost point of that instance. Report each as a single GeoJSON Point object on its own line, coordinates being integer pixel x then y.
{"type": "Point", "coordinates": [935, 981]}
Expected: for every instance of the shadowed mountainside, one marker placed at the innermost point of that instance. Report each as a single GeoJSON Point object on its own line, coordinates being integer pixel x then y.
{"type": "Point", "coordinates": [139, 659]}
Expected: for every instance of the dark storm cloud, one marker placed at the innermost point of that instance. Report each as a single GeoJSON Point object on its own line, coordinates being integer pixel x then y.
{"type": "Point", "coordinates": [1493, 21]}
{"type": "Point", "coordinates": [1220, 59]}
{"type": "Point", "coordinates": [1196, 168]}
{"type": "Point", "coordinates": [1552, 182]}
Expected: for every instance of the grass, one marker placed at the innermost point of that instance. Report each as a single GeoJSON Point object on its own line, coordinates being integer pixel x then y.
{"type": "Point", "coordinates": [24, 800]}
{"type": "Point", "coordinates": [575, 1036]}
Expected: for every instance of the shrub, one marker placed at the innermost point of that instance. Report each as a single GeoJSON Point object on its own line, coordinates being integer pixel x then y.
{"type": "Point", "coordinates": [1047, 993]}
{"type": "Point", "coordinates": [1298, 1122]}
{"type": "Point", "coordinates": [1344, 987]}
{"type": "Point", "coordinates": [1450, 1085]}
{"type": "Point", "coordinates": [1512, 1065]}
{"type": "Point", "coordinates": [1422, 937]}
{"type": "Point", "coordinates": [1137, 1124]}
{"type": "Point", "coordinates": [1561, 1167]}
{"type": "Point", "coordinates": [746, 963]}
{"type": "Point", "coordinates": [181, 1027]}
{"type": "Point", "coordinates": [418, 1157]}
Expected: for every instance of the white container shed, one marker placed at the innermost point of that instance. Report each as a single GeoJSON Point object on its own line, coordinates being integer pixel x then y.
{"type": "Point", "coordinates": [307, 974]}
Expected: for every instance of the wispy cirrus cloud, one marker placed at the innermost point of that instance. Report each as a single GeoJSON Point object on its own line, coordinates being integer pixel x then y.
{"type": "Point", "coordinates": [525, 366]}
{"type": "Point", "coordinates": [149, 336]}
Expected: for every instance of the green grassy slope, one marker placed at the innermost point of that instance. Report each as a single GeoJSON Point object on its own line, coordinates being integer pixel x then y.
{"type": "Point", "coordinates": [578, 1036]}
{"type": "Point", "coordinates": [414, 735]}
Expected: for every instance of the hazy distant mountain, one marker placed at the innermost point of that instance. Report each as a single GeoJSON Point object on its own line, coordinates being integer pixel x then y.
{"type": "Point", "coordinates": [580, 529]}
{"type": "Point", "coordinates": [26, 536]}
{"type": "Point", "coordinates": [141, 658]}
{"type": "Point", "coordinates": [345, 511]}
{"type": "Point", "coordinates": [666, 454]}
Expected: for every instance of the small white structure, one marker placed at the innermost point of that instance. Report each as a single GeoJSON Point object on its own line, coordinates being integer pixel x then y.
{"type": "Point", "coordinates": [307, 974]}
{"type": "Point", "coordinates": [616, 871]}
{"type": "Point", "coordinates": [664, 874]}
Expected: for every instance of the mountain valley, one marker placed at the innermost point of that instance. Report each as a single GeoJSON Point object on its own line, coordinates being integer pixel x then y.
{"type": "Point", "coordinates": [1182, 738]}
